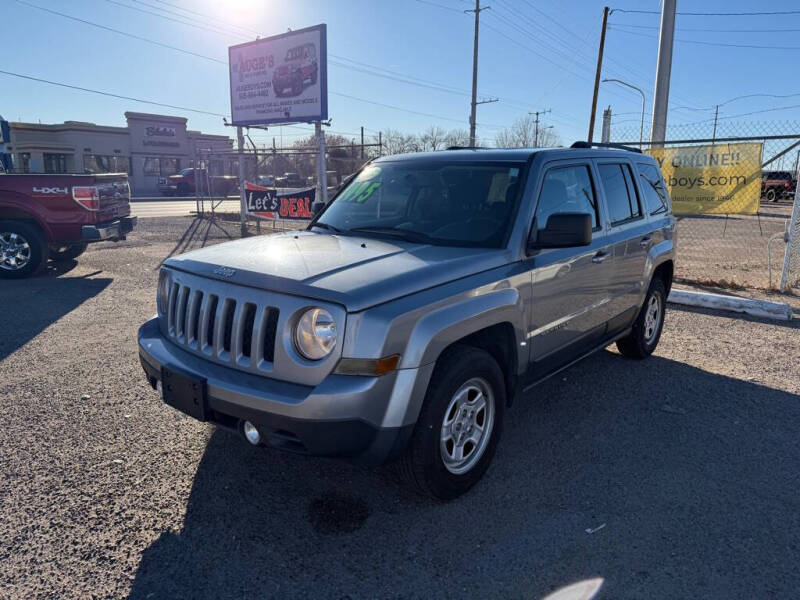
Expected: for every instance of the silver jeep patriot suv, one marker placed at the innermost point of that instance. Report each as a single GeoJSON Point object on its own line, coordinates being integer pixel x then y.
{"type": "Point", "coordinates": [427, 295]}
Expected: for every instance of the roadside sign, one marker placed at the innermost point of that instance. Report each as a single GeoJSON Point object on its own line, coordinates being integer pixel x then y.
{"type": "Point", "coordinates": [268, 203]}
{"type": "Point", "coordinates": [715, 179]}
{"type": "Point", "coordinates": [280, 79]}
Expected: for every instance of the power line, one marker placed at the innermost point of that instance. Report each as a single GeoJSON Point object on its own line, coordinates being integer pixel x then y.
{"type": "Point", "coordinates": [704, 43]}
{"type": "Point", "coordinates": [222, 62]}
{"type": "Point", "coordinates": [102, 93]}
{"type": "Point", "coordinates": [120, 32]}
{"type": "Point", "coordinates": [715, 14]}
{"type": "Point", "coordinates": [436, 4]}
{"type": "Point", "coordinates": [712, 29]}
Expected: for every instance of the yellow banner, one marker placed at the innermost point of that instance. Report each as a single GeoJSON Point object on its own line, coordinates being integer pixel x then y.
{"type": "Point", "coordinates": [718, 179]}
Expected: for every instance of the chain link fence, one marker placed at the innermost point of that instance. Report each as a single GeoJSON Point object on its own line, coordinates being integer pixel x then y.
{"type": "Point", "coordinates": [733, 189]}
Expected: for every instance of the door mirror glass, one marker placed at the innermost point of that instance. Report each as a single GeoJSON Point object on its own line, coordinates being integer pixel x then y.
{"type": "Point", "coordinates": [563, 230]}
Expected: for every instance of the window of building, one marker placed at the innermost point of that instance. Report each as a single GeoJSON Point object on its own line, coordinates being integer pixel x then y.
{"type": "Point", "coordinates": [24, 162]}
{"type": "Point", "coordinates": [154, 165]}
{"type": "Point", "coordinates": [168, 166]}
{"type": "Point", "coordinates": [567, 189]}
{"type": "Point", "coordinates": [55, 163]}
{"type": "Point", "coordinates": [620, 195]}
{"type": "Point", "coordinates": [653, 188]}
{"type": "Point", "coordinates": [95, 163]}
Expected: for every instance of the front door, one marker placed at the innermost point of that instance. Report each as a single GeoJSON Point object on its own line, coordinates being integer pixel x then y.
{"type": "Point", "coordinates": [570, 285]}
{"type": "Point", "coordinates": [630, 235]}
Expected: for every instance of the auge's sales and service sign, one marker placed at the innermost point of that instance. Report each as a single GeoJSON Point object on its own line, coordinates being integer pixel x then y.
{"type": "Point", "coordinates": [280, 79]}
{"type": "Point", "coordinates": [718, 179]}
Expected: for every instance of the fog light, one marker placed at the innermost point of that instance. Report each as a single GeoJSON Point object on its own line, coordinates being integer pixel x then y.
{"type": "Point", "coordinates": [251, 433]}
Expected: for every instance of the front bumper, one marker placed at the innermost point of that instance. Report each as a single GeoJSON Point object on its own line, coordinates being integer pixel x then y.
{"type": "Point", "coordinates": [113, 230]}
{"type": "Point", "coordinates": [359, 418]}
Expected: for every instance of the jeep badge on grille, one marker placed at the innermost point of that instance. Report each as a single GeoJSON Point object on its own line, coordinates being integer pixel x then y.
{"type": "Point", "coordinates": [224, 272]}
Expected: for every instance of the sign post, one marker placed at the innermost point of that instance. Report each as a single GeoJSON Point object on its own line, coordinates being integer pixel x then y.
{"type": "Point", "coordinates": [242, 191]}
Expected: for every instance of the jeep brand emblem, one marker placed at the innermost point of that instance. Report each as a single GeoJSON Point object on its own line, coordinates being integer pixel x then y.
{"type": "Point", "coordinates": [225, 271]}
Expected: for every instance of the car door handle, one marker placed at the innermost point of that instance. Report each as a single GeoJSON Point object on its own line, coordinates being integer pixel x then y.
{"type": "Point", "coordinates": [645, 241]}
{"type": "Point", "coordinates": [600, 256]}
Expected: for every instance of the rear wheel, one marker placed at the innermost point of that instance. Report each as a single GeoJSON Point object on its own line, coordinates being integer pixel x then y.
{"type": "Point", "coordinates": [182, 189]}
{"type": "Point", "coordinates": [772, 195]}
{"type": "Point", "coordinates": [643, 338]}
{"type": "Point", "coordinates": [459, 426]}
{"type": "Point", "coordinates": [22, 249]}
{"type": "Point", "coordinates": [67, 252]}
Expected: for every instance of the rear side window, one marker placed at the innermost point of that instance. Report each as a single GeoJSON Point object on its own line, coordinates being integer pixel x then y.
{"type": "Point", "coordinates": [623, 204]}
{"type": "Point", "coordinates": [653, 189]}
{"type": "Point", "coordinates": [565, 190]}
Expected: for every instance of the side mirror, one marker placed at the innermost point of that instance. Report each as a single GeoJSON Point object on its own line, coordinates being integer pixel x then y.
{"type": "Point", "coordinates": [563, 230]}
{"type": "Point", "coordinates": [317, 207]}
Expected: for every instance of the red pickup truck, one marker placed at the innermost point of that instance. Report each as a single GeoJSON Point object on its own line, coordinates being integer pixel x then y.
{"type": "Point", "coordinates": [183, 184]}
{"type": "Point", "coordinates": [56, 216]}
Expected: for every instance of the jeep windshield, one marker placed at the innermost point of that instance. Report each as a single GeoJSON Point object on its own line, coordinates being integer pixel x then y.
{"type": "Point", "coordinates": [452, 204]}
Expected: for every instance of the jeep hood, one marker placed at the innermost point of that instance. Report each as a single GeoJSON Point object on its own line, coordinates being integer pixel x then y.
{"type": "Point", "coordinates": [357, 272]}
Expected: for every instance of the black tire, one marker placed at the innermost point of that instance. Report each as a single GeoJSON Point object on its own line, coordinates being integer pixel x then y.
{"type": "Point", "coordinates": [772, 195]}
{"type": "Point", "coordinates": [642, 341]}
{"type": "Point", "coordinates": [297, 86]}
{"type": "Point", "coordinates": [314, 77]}
{"type": "Point", "coordinates": [34, 249]}
{"type": "Point", "coordinates": [423, 465]}
{"type": "Point", "coordinates": [182, 189]}
{"type": "Point", "coordinates": [69, 252]}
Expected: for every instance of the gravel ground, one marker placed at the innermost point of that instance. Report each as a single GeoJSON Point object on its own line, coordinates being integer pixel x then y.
{"type": "Point", "coordinates": [684, 466]}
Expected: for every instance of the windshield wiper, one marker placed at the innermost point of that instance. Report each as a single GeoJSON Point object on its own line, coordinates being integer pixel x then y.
{"type": "Point", "coordinates": [411, 236]}
{"type": "Point", "coordinates": [326, 226]}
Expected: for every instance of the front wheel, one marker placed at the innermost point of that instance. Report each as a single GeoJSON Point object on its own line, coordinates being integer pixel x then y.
{"type": "Point", "coordinates": [459, 426]}
{"type": "Point", "coordinates": [22, 249]}
{"type": "Point", "coordinates": [643, 338]}
{"type": "Point", "coordinates": [68, 252]}
{"type": "Point", "coordinates": [772, 195]}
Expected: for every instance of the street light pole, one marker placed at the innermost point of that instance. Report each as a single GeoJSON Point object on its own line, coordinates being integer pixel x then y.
{"type": "Point", "coordinates": [633, 87]}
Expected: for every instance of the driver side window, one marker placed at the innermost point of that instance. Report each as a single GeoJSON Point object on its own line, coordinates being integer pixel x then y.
{"type": "Point", "coordinates": [567, 190]}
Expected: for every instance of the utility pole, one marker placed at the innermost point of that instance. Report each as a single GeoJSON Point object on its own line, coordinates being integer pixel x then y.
{"type": "Point", "coordinates": [716, 115]}
{"type": "Point", "coordinates": [475, 102]}
{"type": "Point", "coordinates": [605, 135]}
{"type": "Point", "coordinates": [606, 12]}
{"type": "Point", "coordinates": [362, 142]}
{"type": "Point", "coordinates": [536, 125]}
{"type": "Point", "coordinates": [658, 131]}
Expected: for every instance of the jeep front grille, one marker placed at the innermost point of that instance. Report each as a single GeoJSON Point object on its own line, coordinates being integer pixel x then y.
{"type": "Point", "coordinates": [229, 330]}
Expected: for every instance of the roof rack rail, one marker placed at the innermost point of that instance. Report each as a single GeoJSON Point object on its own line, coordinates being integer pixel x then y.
{"type": "Point", "coordinates": [465, 148]}
{"type": "Point", "coordinates": [582, 144]}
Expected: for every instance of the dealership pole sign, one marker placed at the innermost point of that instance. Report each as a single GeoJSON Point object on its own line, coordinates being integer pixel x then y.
{"type": "Point", "coordinates": [280, 79]}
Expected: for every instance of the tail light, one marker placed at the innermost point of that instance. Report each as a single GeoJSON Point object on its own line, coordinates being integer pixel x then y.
{"type": "Point", "coordinates": [87, 196]}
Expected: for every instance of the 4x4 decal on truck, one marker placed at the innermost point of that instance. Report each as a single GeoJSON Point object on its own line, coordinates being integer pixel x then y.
{"type": "Point", "coordinates": [50, 190]}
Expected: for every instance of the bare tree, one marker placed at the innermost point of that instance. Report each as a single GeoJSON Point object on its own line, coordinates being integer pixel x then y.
{"type": "Point", "coordinates": [397, 142]}
{"type": "Point", "coordinates": [523, 134]}
{"type": "Point", "coordinates": [456, 137]}
{"type": "Point", "coordinates": [433, 138]}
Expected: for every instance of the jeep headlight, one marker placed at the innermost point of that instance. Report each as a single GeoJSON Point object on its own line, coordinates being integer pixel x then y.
{"type": "Point", "coordinates": [163, 292]}
{"type": "Point", "coordinates": [315, 334]}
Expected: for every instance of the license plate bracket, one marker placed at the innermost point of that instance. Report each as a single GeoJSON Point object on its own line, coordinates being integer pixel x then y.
{"type": "Point", "coordinates": [184, 392]}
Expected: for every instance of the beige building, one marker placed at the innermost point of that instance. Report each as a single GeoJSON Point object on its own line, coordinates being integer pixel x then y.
{"type": "Point", "coordinates": [149, 148]}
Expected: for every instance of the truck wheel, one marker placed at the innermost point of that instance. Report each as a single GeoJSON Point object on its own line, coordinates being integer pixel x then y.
{"type": "Point", "coordinates": [314, 77]}
{"type": "Point", "coordinates": [68, 252]}
{"type": "Point", "coordinates": [772, 196]}
{"type": "Point", "coordinates": [643, 339]}
{"type": "Point", "coordinates": [182, 189]}
{"type": "Point", "coordinates": [22, 249]}
{"type": "Point", "coordinates": [459, 426]}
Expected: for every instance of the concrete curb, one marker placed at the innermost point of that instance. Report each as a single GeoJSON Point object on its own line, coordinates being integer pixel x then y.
{"type": "Point", "coordinates": [779, 311]}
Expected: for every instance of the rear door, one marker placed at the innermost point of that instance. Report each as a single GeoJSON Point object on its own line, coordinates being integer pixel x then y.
{"type": "Point", "coordinates": [629, 233]}
{"type": "Point", "coordinates": [570, 285]}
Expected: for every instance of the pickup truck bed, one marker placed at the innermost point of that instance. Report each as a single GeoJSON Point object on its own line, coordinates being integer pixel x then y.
{"type": "Point", "coordinates": [55, 216]}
